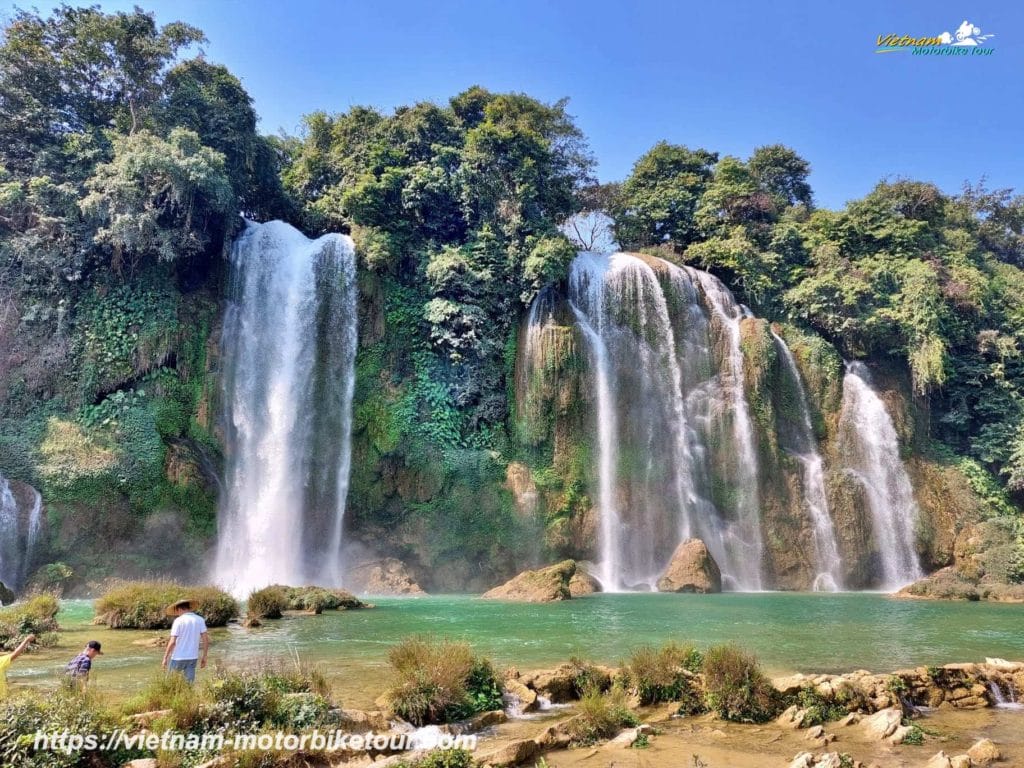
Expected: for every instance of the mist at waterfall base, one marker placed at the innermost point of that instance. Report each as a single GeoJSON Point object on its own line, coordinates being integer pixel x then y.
{"type": "Point", "coordinates": [289, 343]}
{"type": "Point", "coordinates": [662, 345]}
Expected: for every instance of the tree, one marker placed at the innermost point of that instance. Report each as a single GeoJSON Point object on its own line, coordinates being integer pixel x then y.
{"type": "Point", "coordinates": [660, 197]}
{"type": "Point", "coordinates": [160, 199]}
{"type": "Point", "coordinates": [781, 173]}
{"type": "Point", "coordinates": [78, 71]}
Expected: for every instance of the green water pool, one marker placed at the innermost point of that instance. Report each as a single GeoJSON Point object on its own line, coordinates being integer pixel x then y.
{"type": "Point", "coordinates": [789, 632]}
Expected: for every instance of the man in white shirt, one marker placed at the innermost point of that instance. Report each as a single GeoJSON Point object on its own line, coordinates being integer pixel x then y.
{"type": "Point", "coordinates": [189, 641]}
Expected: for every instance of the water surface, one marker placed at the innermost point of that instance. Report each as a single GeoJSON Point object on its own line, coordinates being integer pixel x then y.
{"type": "Point", "coordinates": [789, 632]}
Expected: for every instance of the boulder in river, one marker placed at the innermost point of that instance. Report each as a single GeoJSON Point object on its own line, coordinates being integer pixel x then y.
{"type": "Point", "coordinates": [388, 576]}
{"type": "Point", "coordinates": [543, 585]}
{"type": "Point", "coordinates": [691, 569]}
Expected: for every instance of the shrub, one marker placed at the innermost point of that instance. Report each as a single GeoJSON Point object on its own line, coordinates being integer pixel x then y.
{"type": "Point", "coordinates": [736, 688]}
{"type": "Point", "coordinates": [319, 599]}
{"type": "Point", "coordinates": [601, 715]}
{"type": "Point", "coordinates": [57, 711]}
{"type": "Point", "coordinates": [661, 674]}
{"type": "Point", "coordinates": [586, 676]}
{"type": "Point", "coordinates": [438, 681]}
{"type": "Point", "coordinates": [268, 695]}
{"type": "Point", "coordinates": [37, 615]}
{"type": "Point", "coordinates": [143, 604]}
{"type": "Point", "coordinates": [819, 709]}
{"type": "Point", "coordinates": [267, 603]}
{"type": "Point", "coordinates": [442, 758]}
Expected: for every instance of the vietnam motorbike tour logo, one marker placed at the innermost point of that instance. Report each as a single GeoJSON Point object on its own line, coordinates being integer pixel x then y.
{"type": "Point", "coordinates": [966, 41]}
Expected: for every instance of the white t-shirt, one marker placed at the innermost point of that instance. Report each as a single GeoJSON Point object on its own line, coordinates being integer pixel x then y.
{"type": "Point", "coordinates": [187, 628]}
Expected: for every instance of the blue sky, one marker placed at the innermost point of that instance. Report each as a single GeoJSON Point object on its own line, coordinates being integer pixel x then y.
{"type": "Point", "coordinates": [728, 76]}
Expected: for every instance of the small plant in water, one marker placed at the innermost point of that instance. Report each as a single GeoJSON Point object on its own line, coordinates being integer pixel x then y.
{"type": "Point", "coordinates": [916, 736]}
{"type": "Point", "coordinates": [642, 742]}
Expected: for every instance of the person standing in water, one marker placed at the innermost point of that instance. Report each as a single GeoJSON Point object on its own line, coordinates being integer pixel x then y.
{"type": "Point", "coordinates": [78, 668]}
{"type": "Point", "coordinates": [189, 641]}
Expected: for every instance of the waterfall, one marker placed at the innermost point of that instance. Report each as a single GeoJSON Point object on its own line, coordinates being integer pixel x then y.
{"type": "Point", "coordinates": [289, 345]}
{"type": "Point", "coordinates": [1008, 701]}
{"type": "Point", "coordinates": [805, 450]}
{"type": "Point", "coordinates": [870, 448]}
{"type": "Point", "coordinates": [664, 393]}
{"type": "Point", "coordinates": [19, 534]}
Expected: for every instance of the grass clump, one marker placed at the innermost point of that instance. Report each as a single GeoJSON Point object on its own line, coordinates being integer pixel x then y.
{"type": "Point", "coordinates": [267, 603]}
{"type": "Point", "coordinates": [319, 599]}
{"type": "Point", "coordinates": [143, 604]}
{"type": "Point", "coordinates": [439, 681]}
{"type": "Point", "coordinates": [601, 715]}
{"type": "Point", "coordinates": [736, 688]}
{"type": "Point", "coordinates": [664, 674]}
{"type": "Point", "coordinates": [36, 615]}
{"type": "Point", "coordinates": [271, 602]}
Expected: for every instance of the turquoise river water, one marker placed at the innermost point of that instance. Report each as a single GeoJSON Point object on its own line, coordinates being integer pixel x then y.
{"type": "Point", "coordinates": [788, 632]}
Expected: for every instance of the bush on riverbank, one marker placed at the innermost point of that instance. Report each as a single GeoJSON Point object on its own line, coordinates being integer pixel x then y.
{"type": "Point", "coordinates": [37, 616]}
{"type": "Point", "coordinates": [665, 674]}
{"type": "Point", "coordinates": [736, 688]}
{"type": "Point", "coordinates": [439, 681]}
{"type": "Point", "coordinates": [143, 604]}
{"type": "Point", "coordinates": [54, 712]}
{"type": "Point", "coordinates": [601, 715]}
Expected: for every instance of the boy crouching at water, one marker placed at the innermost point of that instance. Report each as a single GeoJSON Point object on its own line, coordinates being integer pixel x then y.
{"type": "Point", "coordinates": [78, 669]}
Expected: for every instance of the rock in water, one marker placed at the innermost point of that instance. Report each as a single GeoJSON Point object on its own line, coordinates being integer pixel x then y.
{"type": "Point", "coordinates": [383, 577]}
{"type": "Point", "coordinates": [984, 752]}
{"type": "Point", "coordinates": [692, 569]}
{"type": "Point", "coordinates": [544, 585]}
{"type": "Point", "coordinates": [582, 583]}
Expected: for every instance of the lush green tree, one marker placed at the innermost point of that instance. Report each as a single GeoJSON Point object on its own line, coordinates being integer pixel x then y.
{"type": "Point", "coordinates": [781, 173]}
{"type": "Point", "coordinates": [659, 200]}
{"type": "Point", "coordinates": [76, 71]}
{"type": "Point", "coordinates": [160, 199]}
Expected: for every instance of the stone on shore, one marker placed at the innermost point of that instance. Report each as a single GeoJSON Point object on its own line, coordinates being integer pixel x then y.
{"type": "Point", "coordinates": [882, 724]}
{"type": "Point", "coordinates": [984, 752]}
{"type": "Point", "coordinates": [939, 760]}
{"type": "Point", "coordinates": [691, 569]}
{"type": "Point", "coordinates": [544, 585]}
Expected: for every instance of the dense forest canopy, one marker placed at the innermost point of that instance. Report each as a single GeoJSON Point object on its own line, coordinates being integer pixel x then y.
{"type": "Point", "coordinates": [124, 166]}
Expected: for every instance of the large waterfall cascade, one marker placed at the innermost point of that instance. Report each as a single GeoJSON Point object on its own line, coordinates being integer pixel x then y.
{"type": "Point", "coordinates": [289, 348]}
{"type": "Point", "coordinates": [19, 534]}
{"type": "Point", "coordinates": [805, 449]}
{"type": "Point", "coordinates": [663, 343]}
{"type": "Point", "coordinates": [870, 448]}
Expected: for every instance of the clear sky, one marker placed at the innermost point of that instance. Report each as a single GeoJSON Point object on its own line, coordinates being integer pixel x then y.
{"type": "Point", "coordinates": [728, 76]}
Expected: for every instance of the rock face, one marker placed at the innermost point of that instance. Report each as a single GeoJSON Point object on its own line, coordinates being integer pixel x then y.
{"type": "Point", "coordinates": [692, 569]}
{"type": "Point", "coordinates": [982, 554]}
{"type": "Point", "coordinates": [544, 585]}
{"type": "Point", "coordinates": [389, 576]}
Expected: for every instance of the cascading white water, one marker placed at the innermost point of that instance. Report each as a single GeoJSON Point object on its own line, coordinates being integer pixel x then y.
{"type": "Point", "coordinates": [663, 395]}
{"type": "Point", "coordinates": [1007, 701]}
{"type": "Point", "coordinates": [870, 449]}
{"type": "Point", "coordinates": [289, 345]}
{"type": "Point", "coordinates": [19, 534]}
{"type": "Point", "coordinates": [805, 448]}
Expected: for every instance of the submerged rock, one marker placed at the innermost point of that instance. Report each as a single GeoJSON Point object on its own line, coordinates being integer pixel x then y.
{"type": "Point", "coordinates": [544, 585]}
{"type": "Point", "coordinates": [692, 569]}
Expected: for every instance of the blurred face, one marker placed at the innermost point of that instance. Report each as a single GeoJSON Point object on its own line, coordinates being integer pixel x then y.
{"type": "Point", "coordinates": [91, 653]}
